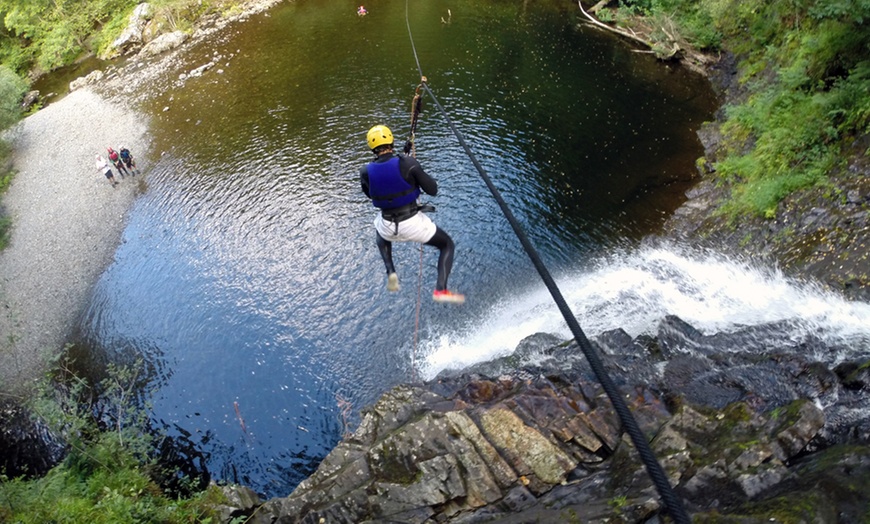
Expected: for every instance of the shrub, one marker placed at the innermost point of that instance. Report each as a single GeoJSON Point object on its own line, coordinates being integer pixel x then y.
{"type": "Point", "coordinates": [12, 89]}
{"type": "Point", "coordinates": [804, 64]}
{"type": "Point", "coordinates": [105, 477]}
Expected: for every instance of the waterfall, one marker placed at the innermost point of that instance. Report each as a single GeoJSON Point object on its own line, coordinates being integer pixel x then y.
{"type": "Point", "coordinates": [634, 290]}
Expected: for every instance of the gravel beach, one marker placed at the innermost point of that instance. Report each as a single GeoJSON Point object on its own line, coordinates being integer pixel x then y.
{"type": "Point", "coordinates": [67, 219]}
{"type": "Point", "coordinates": [67, 222]}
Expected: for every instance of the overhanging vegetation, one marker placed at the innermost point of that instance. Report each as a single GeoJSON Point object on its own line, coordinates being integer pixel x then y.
{"type": "Point", "coordinates": [805, 73]}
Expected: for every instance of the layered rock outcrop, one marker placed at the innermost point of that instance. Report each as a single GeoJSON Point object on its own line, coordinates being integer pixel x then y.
{"type": "Point", "coordinates": [748, 435]}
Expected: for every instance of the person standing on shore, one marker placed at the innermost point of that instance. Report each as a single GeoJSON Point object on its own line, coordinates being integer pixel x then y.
{"type": "Point", "coordinates": [127, 158]}
{"type": "Point", "coordinates": [104, 168]}
{"type": "Point", "coordinates": [116, 160]}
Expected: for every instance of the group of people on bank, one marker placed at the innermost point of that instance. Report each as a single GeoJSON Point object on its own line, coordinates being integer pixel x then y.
{"type": "Point", "coordinates": [121, 159]}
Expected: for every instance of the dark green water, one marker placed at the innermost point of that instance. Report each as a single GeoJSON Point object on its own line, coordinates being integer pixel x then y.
{"type": "Point", "coordinates": [248, 272]}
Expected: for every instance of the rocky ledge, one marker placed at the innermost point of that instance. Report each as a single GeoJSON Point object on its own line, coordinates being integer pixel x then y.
{"type": "Point", "coordinates": [820, 233]}
{"type": "Point", "coordinates": [745, 432]}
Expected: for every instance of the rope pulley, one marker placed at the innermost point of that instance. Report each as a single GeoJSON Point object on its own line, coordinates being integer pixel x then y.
{"type": "Point", "coordinates": [416, 109]}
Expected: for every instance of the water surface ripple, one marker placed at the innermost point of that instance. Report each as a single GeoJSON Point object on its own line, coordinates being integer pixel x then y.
{"type": "Point", "coordinates": [248, 273]}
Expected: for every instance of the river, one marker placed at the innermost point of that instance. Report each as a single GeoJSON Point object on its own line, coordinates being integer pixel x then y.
{"type": "Point", "coordinates": [248, 278]}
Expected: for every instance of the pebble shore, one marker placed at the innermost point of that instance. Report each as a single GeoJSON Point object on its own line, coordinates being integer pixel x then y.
{"type": "Point", "coordinates": [67, 222]}
{"type": "Point", "coordinates": [67, 219]}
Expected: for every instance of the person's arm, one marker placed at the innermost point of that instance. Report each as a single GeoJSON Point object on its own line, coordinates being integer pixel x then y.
{"type": "Point", "coordinates": [415, 172]}
{"type": "Point", "coordinates": [364, 180]}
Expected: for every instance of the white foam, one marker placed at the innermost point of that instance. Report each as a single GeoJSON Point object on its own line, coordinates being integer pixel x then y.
{"type": "Point", "coordinates": [635, 290]}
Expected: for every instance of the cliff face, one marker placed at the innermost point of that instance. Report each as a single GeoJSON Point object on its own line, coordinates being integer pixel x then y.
{"type": "Point", "coordinates": [730, 424]}
{"type": "Point", "coordinates": [820, 233]}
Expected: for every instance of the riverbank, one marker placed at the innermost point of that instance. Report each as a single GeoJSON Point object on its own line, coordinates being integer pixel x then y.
{"type": "Point", "coordinates": [67, 219]}
{"type": "Point", "coordinates": [67, 222]}
{"type": "Point", "coordinates": [818, 234]}
{"type": "Point", "coordinates": [158, 66]}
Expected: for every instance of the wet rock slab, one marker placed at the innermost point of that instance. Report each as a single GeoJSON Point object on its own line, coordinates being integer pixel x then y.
{"type": "Point", "coordinates": [738, 433]}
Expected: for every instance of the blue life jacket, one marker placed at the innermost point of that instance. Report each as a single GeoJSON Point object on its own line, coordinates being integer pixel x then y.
{"type": "Point", "coordinates": [387, 188]}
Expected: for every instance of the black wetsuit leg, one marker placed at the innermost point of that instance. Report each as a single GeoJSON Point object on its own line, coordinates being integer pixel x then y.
{"type": "Point", "coordinates": [445, 245]}
{"type": "Point", "coordinates": [386, 249]}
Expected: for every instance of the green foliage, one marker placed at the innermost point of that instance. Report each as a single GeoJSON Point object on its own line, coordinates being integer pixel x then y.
{"type": "Point", "coordinates": [67, 38]}
{"type": "Point", "coordinates": [618, 503]}
{"type": "Point", "coordinates": [52, 33]}
{"type": "Point", "coordinates": [12, 89]}
{"type": "Point", "coordinates": [55, 29]}
{"type": "Point", "coordinates": [47, 34]}
{"type": "Point", "coordinates": [178, 15]}
{"type": "Point", "coordinates": [15, 53]}
{"type": "Point", "coordinates": [805, 65]}
{"type": "Point", "coordinates": [106, 476]}
{"type": "Point", "coordinates": [699, 29]}
{"type": "Point", "coordinates": [111, 30]}
{"type": "Point", "coordinates": [794, 147]}
{"type": "Point", "coordinates": [696, 23]}
{"type": "Point", "coordinates": [5, 231]}
{"type": "Point", "coordinates": [7, 176]}
{"type": "Point", "coordinates": [123, 496]}
{"type": "Point", "coordinates": [5, 179]}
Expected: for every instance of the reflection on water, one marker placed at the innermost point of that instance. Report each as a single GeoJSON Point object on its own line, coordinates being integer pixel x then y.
{"type": "Point", "coordinates": [55, 86]}
{"type": "Point", "coordinates": [248, 274]}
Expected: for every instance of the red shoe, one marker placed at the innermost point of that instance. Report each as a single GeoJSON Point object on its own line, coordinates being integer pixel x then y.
{"type": "Point", "coordinates": [446, 296]}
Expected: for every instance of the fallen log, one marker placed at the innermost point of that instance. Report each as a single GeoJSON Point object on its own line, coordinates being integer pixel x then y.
{"type": "Point", "coordinates": [631, 35]}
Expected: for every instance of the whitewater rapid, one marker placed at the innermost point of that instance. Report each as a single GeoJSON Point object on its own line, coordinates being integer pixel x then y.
{"type": "Point", "coordinates": [635, 289]}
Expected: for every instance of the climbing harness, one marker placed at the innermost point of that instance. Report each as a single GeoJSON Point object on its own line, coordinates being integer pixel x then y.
{"type": "Point", "coordinates": [673, 505]}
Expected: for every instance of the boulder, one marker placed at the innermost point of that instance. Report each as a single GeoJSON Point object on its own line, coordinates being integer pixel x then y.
{"type": "Point", "coordinates": [90, 78]}
{"type": "Point", "coordinates": [31, 98]}
{"type": "Point", "coordinates": [241, 501]}
{"type": "Point", "coordinates": [542, 443]}
{"type": "Point", "coordinates": [854, 375]}
{"type": "Point", "coordinates": [131, 38]}
{"type": "Point", "coordinates": [163, 43]}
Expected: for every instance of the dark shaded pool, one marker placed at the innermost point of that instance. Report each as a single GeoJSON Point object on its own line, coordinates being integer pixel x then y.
{"type": "Point", "coordinates": [248, 277]}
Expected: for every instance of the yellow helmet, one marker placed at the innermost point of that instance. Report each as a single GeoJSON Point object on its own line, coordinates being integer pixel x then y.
{"type": "Point", "coordinates": [379, 136]}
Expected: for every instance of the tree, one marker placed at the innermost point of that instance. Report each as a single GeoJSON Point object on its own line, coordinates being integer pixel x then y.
{"type": "Point", "coordinates": [24, 18]}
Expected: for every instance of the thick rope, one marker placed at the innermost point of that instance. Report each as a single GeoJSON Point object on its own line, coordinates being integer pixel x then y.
{"type": "Point", "coordinates": [416, 108]}
{"type": "Point", "coordinates": [673, 505]}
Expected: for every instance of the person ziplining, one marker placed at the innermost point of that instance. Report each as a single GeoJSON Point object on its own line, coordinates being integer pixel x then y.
{"type": "Point", "coordinates": [394, 183]}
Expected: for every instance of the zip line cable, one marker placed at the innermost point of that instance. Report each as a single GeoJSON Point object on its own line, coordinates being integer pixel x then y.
{"type": "Point", "coordinates": [673, 505]}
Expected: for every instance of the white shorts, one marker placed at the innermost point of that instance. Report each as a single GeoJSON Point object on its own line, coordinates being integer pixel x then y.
{"type": "Point", "coordinates": [418, 228]}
